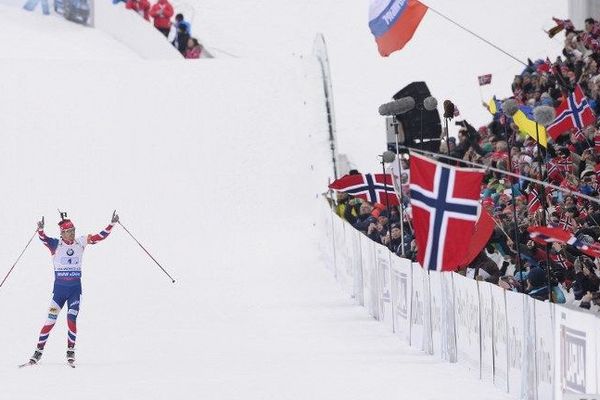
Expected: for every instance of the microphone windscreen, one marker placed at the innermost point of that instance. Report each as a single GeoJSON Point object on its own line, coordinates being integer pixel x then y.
{"type": "Point", "coordinates": [397, 107]}
{"type": "Point", "coordinates": [544, 115]}
{"type": "Point", "coordinates": [388, 156]}
{"type": "Point", "coordinates": [510, 107]}
{"type": "Point", "coordinates": [430, 103]}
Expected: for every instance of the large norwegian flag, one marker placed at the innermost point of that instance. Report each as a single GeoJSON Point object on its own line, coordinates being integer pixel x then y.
{"type": "Point", "coordinates": [546, 235]}
{"type": "Point", "coordinates": [371, 187]}
{"type": "Point", "coordinates": [445, 207]}
{"type": "Point", "coordinates": [573, 113]}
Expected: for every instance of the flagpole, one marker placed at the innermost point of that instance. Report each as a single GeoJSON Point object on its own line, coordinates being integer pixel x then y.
{"type": "Point", "coordinates": [387, 205]}
{"type": "Point", "coordinates": [402, 191]}
{"type": "Point", "coordinates": [512, 190]}
{"type": "Point", "coordinates": [476, 35]}
{"type": "Point", "coordinates": [543, 203]}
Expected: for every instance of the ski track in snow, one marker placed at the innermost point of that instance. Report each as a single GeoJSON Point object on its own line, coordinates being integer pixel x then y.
{"type": "Point", "coordinates": [216, 167]}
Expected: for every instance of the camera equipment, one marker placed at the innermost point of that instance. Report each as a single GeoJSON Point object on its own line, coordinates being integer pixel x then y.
{"type": "Point", "coordinates": [418, 127]}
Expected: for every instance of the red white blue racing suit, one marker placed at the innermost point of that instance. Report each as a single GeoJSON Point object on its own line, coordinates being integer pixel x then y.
{"type": "Point", "coordinates": [67, 259]}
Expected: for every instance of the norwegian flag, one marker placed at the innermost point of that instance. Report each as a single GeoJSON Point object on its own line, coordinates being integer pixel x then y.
{"type": "Point", "coordinates": [554, 172]}
{"type": "Point", "coordinates": [445, 207]}
{"type": "Point", "coordinates": [533, 201]}
{"type": "Point", "coordinates": [545, 235]}
{"type": "Point", "coordinates": [484, 79]}
{"type": "Point", "coordinates": [573, 113]}
{"type": "Point", "coordinates": [373, 188]}
{"type": "Point", "coordinates": [580, 136]}
{"type": "Point", "coordinates": [567, 223]}
{"type": "Point", "coordinates": [561, 260]}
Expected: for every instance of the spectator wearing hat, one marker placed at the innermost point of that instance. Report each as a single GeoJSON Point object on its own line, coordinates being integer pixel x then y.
{"type": "Point", "coordinates": [183, 31]}
{"type": "Point", "coordinates": [162, 12]}
{"type": "Point", "coordinates": [536, 284]}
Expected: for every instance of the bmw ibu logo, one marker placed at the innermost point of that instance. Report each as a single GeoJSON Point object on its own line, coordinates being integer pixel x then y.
{"type": "Point", "coordinates": [70, 252]}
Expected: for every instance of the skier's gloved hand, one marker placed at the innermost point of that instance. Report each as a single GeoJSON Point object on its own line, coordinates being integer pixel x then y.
{"type": "Point", "coordinates": [41, 223]}
{"type": "Point", "coordinates": [115, 218]}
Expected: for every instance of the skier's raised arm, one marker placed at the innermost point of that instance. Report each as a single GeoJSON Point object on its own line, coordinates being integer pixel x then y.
{"type": "Point", "coordinates": [93, 239]}
{"type": "Point", "coordinates": [51, 243]}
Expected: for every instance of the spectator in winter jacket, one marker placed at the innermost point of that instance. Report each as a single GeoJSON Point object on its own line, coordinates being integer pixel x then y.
{"type": "Point", "coordinates": [181, 40]}
{"type": "Point", "coordinates": [194, 49]}
{"type": "Point", "coordinates": [536, 284]}
{"type": "Point", "coordinates": [142, 7]}
{"type": "Point", "coordinates": [181, 22]}
{"type": "Point", "coordinates": [585, 278]}
{"type": "Point", "coordinates": [162, 12]}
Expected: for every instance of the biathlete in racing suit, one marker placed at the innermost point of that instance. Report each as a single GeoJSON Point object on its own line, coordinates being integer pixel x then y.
{"type": "Point", "coordinates": [67, 253]}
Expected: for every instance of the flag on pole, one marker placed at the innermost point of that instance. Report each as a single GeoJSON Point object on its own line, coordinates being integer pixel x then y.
{"type": "Point", "coordinates": [484, 79]}
{"type": "Point", "coordinates": [533, 201]}
{"type": "Point", "coordinates": [524, 120]}
{"type": "Point", "coordinates": [573, 113]}
{"type": "Point", "coordinates": [394, 22]}
{"type": "Point", "coordinates": [545, 235]}
{"type": "Point", "coordinates": [445, 207]}
{"type": "Point", "coordinates": [374, 188]}
{"type": "Point", "coordinates": [494, 106]}
{"type": "Point", "coordinates": [484, 227]}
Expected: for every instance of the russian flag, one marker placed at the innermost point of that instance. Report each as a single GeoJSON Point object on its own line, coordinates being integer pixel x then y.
{"type": "Point", "coordinates": [394, 22]}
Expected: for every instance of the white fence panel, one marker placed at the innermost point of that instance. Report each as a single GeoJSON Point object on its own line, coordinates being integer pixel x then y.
{"type": "Point", "coordinates": [328, 220]}
{"type": "Point", "coordinates": [514, 318]}
{"type": "Point", "coordinates": [528, 383]}
{"type": "Point", "coordinates": [466, 304]}
{"type": "Point", "coordinates": [487, 327]}
{"type": "Point", "coordinates": [367, 249]}
{"type": "Point", "coordinates": [575, 350]}
{"type": "Point", "coordinates": [353, 248]}
{"type": "Point", "coordinates": [382, 260]}
{"type": "Point", "coordinates": [417, 322]}
{"type": "Point", "coordinates": [500, 338]}
{"type": "Point", "coordinates": [448, 318]}
{"type": "Point", "coordinates": [342, 258]}
{"type": "Point", "coordinates": [544, 350]}
{"type": "Point", "coordinates": [427, 334]}
{"type": "Point", "coordinates": [436, 307]}
{"type": "Point", "coordinates": [402, 295]}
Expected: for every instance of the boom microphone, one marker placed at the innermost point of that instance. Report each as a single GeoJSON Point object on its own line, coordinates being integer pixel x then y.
{"type": "Point", "coordinates": [388, 156]}
{"type": "Point", "coordinates": [544, 115]}
{"type": "Point", "coordinates": [397, 107]}
{"type": "Point", "coordinates": [510, 107]}
{"type": "Point", "coordinates": [430, 103]}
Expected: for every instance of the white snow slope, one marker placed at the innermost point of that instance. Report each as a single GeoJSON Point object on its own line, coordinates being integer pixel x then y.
{"type": "Point", "coordinates": [216, 167]}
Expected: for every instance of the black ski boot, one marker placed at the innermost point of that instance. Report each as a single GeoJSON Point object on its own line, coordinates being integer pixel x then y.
{"type": "Point", "coordinates": [37, 355]}
{"type": "Point", "coordinates": [71, 356]}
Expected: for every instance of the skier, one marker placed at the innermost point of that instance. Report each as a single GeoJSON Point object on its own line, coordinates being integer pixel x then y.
{"type": "Point", "coordinates": [67, 258]}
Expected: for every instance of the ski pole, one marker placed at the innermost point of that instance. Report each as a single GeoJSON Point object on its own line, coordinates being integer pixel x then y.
{"type": "Point", "coordinates": [18, 258]}
{"type": "Point", "coordinates": [150, 255]}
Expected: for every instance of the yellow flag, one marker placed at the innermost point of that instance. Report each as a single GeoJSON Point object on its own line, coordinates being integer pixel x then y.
{"type": "Point", "coordinates": [528, 126]}
{"type": "Point", "coordinates": [492, 106]}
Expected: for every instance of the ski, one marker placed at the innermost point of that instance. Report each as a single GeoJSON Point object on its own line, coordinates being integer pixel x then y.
{"type": "Point", "coordinates": [71, 364]}
{"type": "Point", "coordinates": [27, 364]}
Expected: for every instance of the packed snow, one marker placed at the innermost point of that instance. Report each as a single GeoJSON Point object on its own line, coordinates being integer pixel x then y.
{"type": "Point", "coordinates": [217, 168]}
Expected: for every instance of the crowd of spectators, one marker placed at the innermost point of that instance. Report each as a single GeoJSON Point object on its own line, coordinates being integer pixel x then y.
{"type": "Point", "coordinates": [572, 161]}
{"type": "Point", "coordinates": [178, 31]}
